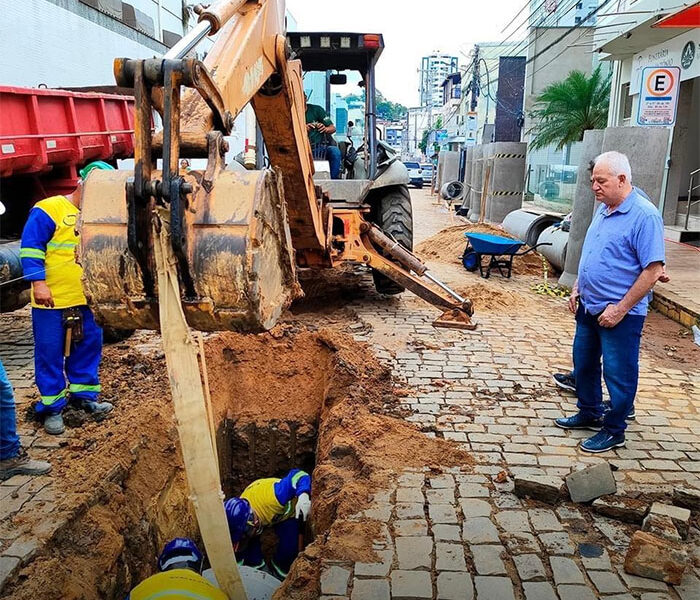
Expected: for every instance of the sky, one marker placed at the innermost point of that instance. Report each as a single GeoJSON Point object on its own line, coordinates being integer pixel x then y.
{"type": "Point", "coordinates": [411, 29]}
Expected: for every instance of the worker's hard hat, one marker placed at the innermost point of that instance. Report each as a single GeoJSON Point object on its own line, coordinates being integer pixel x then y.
{"type": "Point", "coordinates": [180, 553]}
{"type": "Point", "coordinates": [241, 518]}
{"type": "Point", "coordinates": [97, 164]}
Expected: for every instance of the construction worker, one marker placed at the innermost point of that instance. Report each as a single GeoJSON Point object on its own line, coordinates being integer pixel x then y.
{"type": "Point", "coordinates": [179, 566]}
{"type": "Point", "coordinates": [66, 337]}
{"type": "Point", "coordinates": [270, 502]}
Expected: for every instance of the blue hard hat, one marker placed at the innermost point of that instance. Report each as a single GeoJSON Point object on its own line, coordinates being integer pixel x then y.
{"type": "Point", "coordinates": [240, 518]}
{"type": "Point", "coordinates": [180, 553]}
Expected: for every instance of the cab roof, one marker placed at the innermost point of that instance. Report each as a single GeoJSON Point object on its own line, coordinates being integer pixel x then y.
{"type": "Point", "coordinates": [321, 51]}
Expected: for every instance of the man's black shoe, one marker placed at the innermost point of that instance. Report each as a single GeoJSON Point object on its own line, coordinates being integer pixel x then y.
{"type": "Point", "coordinates": [579, 421]}
{"type": "Point", "coordinates": [565, 381]}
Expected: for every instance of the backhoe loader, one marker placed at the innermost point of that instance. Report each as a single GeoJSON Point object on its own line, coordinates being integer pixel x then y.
{"type": "Point", "coordinates": [219, 248]}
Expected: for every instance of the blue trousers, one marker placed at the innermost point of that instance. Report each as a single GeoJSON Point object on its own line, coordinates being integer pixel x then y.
{"type": "Point", "coordinates": [51, 368]}
{"type": "Point", "coordinates": [619, 348]}
{"type": "Point", "coordinates": [287, 547]}
{"type": "Point", "coordinates": [334, 158]}
{"type": "Point", "coordinates": [9, 440]}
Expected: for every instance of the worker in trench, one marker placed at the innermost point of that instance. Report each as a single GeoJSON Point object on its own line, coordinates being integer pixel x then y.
{"type": "Point", "coordinates": [67, 340]}
{"type": "Point", "coordinates": [179, 575]}
{"type": "Point", "coordinates": [270, 502]}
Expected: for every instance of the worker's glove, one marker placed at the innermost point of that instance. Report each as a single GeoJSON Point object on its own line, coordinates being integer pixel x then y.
{"type": "Point", "coordinates": [303, 506]}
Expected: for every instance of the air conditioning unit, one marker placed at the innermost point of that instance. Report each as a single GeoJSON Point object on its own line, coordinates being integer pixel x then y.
{"type": "Point", "coordinates": [170, 38]}
{"type": "Point", "coordinates": [113, 8]}
{"type": "Point", "coordinates": [138, 20]}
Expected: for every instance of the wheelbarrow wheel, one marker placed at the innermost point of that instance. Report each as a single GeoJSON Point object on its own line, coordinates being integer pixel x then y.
{"type": "Point", "coordinates": [393, 213]}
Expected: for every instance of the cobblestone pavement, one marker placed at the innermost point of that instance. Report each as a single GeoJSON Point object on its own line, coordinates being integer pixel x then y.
{"type": "Point", "coordinates": [458, 535]}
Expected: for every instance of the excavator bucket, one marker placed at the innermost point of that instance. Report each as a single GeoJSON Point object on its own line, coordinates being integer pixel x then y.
{"type": "Point", "coordinates": [237, 253]}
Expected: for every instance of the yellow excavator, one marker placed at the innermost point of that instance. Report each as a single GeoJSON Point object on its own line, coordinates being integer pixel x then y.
{"type": "Point", "coordinates": [220, 248]}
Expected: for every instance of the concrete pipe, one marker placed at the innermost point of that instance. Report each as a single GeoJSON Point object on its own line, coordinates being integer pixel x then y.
{"type": "Point", "coordinates": [556, 253]}
{"type": "Point", "coordinates": [466, 196]}
{"type": "Point", "coordinates": [505, 193]}
{"type": "Point", "coordinates": [448, 167]}
{"type": "Point", "coordinates": [528, 226]}
{"type": "Point", "coordinates": [13, 295]}
{"type": "Point", "coordinates": [452, 191]}
{"type": "Point", "coordinates": [477, 174]}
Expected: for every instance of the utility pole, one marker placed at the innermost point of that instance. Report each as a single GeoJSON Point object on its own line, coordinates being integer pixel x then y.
{"type": "Point", "coordinates": [474, 87]}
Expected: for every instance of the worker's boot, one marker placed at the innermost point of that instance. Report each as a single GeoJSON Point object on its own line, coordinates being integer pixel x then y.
{"type": "Point", "coordinates": [96, 408]}
{"type": "Point", "coordinates": [22, 465]}
{"type": "Point", "coordinates": [53, 424]}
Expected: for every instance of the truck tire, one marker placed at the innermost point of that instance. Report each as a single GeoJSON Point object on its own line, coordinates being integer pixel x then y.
{"type": "Point", "coordinates": [394, 215]}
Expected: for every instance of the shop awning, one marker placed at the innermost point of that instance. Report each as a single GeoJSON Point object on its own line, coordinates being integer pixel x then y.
{"type": "Point", "coordinates": [636, 38]}
{"type": "Point", "coordinates": [688, 16]}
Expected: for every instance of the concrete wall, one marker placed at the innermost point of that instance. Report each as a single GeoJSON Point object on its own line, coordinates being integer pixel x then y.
{"type": "Point", "coordinates": [505, 192]}
{"type": "Point", "coordinates": [47, 42]}
{"type": "Point", "coordinates": [646, 148]}
{"type": "Point", "coordinates": [584, 202]}
{"type": "Point", "coordinates": [477, 172]}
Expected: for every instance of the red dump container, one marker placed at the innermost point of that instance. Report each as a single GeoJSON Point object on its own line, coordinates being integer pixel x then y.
{"type": "Point", "coordinates": [43, 129]}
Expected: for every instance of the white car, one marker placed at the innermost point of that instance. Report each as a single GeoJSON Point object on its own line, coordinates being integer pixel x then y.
{"type": "Point", "coordinates": [415, 173]}
{"type": "Point", "coordinates": [427, 173]}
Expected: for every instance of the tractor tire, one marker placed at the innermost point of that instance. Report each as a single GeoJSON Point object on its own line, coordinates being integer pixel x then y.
{"type": "Point", "coordinates": [395, 217]}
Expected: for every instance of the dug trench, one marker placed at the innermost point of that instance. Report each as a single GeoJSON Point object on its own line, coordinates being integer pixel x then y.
{"type": "Point", "coordinates": [298, 396]}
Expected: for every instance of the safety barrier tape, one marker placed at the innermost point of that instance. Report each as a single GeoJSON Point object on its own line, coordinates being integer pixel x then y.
{"type": "Point", "coordinates": [505, 193]}
{"type": "Point", "coordinates": [508, 156]}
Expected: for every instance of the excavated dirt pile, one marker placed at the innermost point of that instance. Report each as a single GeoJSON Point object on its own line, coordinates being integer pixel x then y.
{"type": "Point", "coordinates": [448, 246]}
{"type": "Point", "coordinates": [289, 398]}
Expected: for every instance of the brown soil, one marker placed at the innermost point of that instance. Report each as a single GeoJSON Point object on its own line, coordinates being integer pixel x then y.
{"type": "Point", "coordinates": [670, 345]}
{"type": "Point", "coordinates": [121, 484]}
{"type": "Point", "coordinates": [488, 297]}
{"type": "Point", "coordinates": [448, 246]}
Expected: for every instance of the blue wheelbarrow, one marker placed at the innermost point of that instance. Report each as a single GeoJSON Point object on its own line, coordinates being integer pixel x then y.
{"type": "Point", "coordinates": [499, 250]}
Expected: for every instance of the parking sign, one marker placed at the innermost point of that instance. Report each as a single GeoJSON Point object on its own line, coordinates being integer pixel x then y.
{"type": "Point", "coordinates": [658, 96]}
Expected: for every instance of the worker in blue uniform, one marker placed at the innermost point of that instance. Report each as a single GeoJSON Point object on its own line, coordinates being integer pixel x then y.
{"type": "Point", "coordinates": [270, 502]}
{"type": "Point", "coordinates": [67, 340]}
{"type": "Point", "coordinates": [179, 566]}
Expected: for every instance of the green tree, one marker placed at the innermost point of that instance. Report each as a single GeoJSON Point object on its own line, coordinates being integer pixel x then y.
{"type": "Point", "coordinates": [564, 110]}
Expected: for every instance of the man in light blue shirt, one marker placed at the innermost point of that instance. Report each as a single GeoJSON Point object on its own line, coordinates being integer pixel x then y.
{"type": "Point", "coordinates": [622, 258]}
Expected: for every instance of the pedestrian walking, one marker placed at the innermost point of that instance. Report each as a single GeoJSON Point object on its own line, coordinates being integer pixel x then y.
{"type": "Point", "coordinates": [622, 258]}
{"type": "Point", "coordinates": [67, 340]}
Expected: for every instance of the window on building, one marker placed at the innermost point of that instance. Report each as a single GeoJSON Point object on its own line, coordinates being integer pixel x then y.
{"type": "Point", "coordinates": [579, 6]}
{"type": "Point", "coordinates": [626, 104]}
{"type": "Point", "coordinates": [577, 20]}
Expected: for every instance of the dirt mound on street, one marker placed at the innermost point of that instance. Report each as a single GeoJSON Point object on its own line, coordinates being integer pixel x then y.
{"type": "Point", "coordinates": [448, 246]}
{"type": "Point", "coordinates": [488, 297]}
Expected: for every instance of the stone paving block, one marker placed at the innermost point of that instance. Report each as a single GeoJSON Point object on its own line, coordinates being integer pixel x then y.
{"type": "Point", "coordinates": [379, 512]}
{"type": "Point", "coordinates": [411, 527]}
{"type": "Point", "coordinates": [449, 557]}
{"type": "Point", "coordinates": [407, 494]}
{"type": "Point", "coordinates": [575, 592]}
{"type": "Point", "coordinates": [24, 548]}
{"type": "Point", "coordinates": [8, 564]}
{"type": "Point", "coordinates": [591, 482]}
{"type": "Point", "coordinates": [446, 533]}
{"type": "Point", "coordinates": [471, 507]}
{"type": "Point", "coordinates": [594, 557]}
{"type": "Point", "coordinates": [557, 542]}
{"type": "Point", "coordinates": [680, 516]}
{"type": "Point", "coordinates": [479, 530]}
{"type": "Point", "coordinates": [488, 560]}
{"type": "Point", "coordinates": [506, 500]}
{"type": "Point", "coordinates": [539, 591]}
{"type": "Point", "coordinates": [607, 582]}
{"type": "Point", "coordinates": [414, 480]}
{"type": "Point", "coordinates": [529, 567]}
{"type": "Point", "coordinates": [454, 586]}
{"type": "Point", "coordinates": [494, 588]}
{"type": "Point", "coordinates": [634, 582]}
{"type": "Point", "coordinates": [370, 589]}
{"type": "Point", "coordinates": [408, 585]}
{"type": "Point", "coordinates": [622, 508]}
{"type": "Point", "coordinates": [689, 588]}
{"type": "Point", "coordinates": [565, 570]}
{"type": "Point", "coordinates": [376, 569]}
{"type": "Point", "coordinates": [687, 497]}
{"type": "Point", "coordinates": [473, 490]}
{"type": "Point", "coordinates": [547, 489]}
{"type": "Point", "coordinates": [413, 552]}
{"type": "Point", "coordinates": [662, 526]}
{"type": "Point", "coordinates": [412, 510]}
{"type": "Point", "coordinates": [440, 496]}
{"type": "Point", "coordinates": [615, 532]}
{"type": "Point", "coordinates": [513, 521]}
{"type": "Point", "coordinates": [442, 481]}
{"type": "Point", "coordinates": [521, 543]}
{"type": "Point", "coordinates": [442, 513]}
{"type": "Point", "coordinates": [543, 519]}
{"type": "Point", "coordinates": [655, 558]}
{"type": "Point", "coordinates": [334, 581]}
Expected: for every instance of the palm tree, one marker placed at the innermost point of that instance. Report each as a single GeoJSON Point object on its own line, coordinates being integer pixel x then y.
{"type": "Point", "coordinates": [564, 110]}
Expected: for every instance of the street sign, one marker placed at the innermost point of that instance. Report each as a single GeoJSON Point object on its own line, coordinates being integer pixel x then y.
{"type": "Point", "coordinates": [440, 136]}
{"type": "Point", "coordinates": [658, 96]}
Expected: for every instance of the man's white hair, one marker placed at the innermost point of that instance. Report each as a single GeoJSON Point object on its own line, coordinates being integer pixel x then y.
{"type": "Point", "coordinates": [617, 162]}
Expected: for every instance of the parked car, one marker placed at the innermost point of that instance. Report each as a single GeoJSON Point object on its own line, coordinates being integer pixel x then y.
{"type": "Point", "coordinates": [427, 173]}
{"type": "Point", "coordinates": [415, 173]}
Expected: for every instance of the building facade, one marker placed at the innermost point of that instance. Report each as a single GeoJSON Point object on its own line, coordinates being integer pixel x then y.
{"type": "Point", "coordinates": [433, 71]}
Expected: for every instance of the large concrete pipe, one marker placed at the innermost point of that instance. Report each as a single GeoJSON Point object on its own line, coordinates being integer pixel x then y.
{"type": "Point", "coordinates": [475, 192]}
{"type": "Point", "coordinates": [584, 202]}
{"type": "Point", "coordinates": [556, 253]}
{"type": "Point", "coordinates": [505, 192]}
{"type": "Point", "coordinates": [527, 225]}
{"type": "Point", "coordinates": [466, 198]}
{"type": "Point", "coordinates": [448, 167]}
{"type": "Point", "coordinates": [14, 291]}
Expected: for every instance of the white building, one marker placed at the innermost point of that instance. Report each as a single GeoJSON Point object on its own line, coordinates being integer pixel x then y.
{"type": "Point", "coordinates": [561, 13]}
{"type": "Point", "coordinates": [433, 71]}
